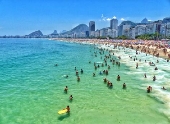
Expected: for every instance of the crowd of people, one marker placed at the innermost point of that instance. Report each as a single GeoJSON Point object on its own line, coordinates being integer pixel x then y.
{"type": "Point", "coordinates": [110, 57]}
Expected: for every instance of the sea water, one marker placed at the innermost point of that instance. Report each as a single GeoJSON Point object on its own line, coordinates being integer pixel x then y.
{"type": "Point", "coordinates": [32, 86]}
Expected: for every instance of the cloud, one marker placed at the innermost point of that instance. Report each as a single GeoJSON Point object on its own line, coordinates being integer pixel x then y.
{"type": "Point", "coordinates": [149, 20]}
{"type": "Point", "coordinates": [122, 19]}
{"type": "Point", "coordinates": [114, 17]}
{"type": "Point", "coordinates": [103, 18]}
{"type": "Point", "coordinates": [108, 19]}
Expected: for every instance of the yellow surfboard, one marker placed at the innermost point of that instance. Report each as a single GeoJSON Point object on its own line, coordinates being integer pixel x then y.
{"type": "Point", "coordinates": [62, 111]}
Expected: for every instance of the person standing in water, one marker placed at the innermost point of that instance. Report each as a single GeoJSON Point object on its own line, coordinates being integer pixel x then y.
{"type": "Point", "coordinates": [124, 86]}
{"type": "Point", "coordinates": [81, 71]}
{"type": "Point", "coordinates": [145, 75]}
{"type": "Point", "coordinates": [71, 97]}
{"type": "Point", "coordinates": [78, 78]}
{"type": "Point", "coordinates": [68, 109]}
{"type": "Point", "coordinates": [66, 89]}
{"type": "Point", "coordinates": [136, 65]}
{"type": "Point", "coordinates": [154, 78]}
{"type": "Point", "coordinates": [118, 78]}
{"type": "Point", "coordinates": [149, 89]}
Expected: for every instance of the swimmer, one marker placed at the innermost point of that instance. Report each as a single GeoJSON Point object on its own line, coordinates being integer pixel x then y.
{"type": "Point", "coordinates": [136, 65]}
{"type": "Point", "coordinates": [94, 74]}
{"type": "Point", "coordinates": [68, 109]}
{"type": "Point", "coordinates": [145, 75]}
{"type": "Point", "coordinates": [149, 89]}
{"type": "Point", "coordinates": [156, 68]}
{"type": "Point", "coordinates": [124, 86]}
{"type": "Point", "coordinates": [71, 97]}
{"type": "Point", "coordinates": [81, 71]}
{"type": "Point", "coordinates": [154, 78]}
{"type": "Point", "coordinates": [100, 73]}
{"type": "Point", "coordinates": [163, 88]}
{"type": "Point", "coordinates": [66, 89]}
{"type": "Point", "coordinates": [118, 78]}
{"type": "Point", "coordinates": [77, 72]}
{"type": "Point", "coordinates": [111, 85]}
{"type": "Point", "coordinates": [78, 78]}
{"type": "Point", "coordinates": [105, 80]}
{"type": "Point", "coordinates": [102, 64]}
{"type": "Point", "coordinates": [106, 72]}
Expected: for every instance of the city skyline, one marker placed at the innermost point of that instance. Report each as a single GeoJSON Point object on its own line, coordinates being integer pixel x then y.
{"type": "Point", "coordinates": [24, 17]}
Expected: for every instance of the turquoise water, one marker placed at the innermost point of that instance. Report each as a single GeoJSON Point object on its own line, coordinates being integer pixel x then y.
{"type": "Point", "coordinates": [32, 87]}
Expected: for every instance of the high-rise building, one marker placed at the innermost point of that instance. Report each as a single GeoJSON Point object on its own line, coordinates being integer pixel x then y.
{"type": "Point", "coordinates": [91, 27]}
{"type": "Point", "coordinates": [114, 24]}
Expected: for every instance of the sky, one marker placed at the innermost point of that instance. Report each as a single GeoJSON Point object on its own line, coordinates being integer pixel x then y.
{"type": "Point", "coordinates": [21, 17]}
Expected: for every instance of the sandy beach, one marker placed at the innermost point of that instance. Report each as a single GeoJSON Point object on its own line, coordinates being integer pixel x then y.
{"type": "Point", "coordinates": [155, 48]}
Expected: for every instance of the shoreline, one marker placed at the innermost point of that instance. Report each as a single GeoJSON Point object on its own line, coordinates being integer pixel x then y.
{"type": "Point", "coordinates": [156, 48]}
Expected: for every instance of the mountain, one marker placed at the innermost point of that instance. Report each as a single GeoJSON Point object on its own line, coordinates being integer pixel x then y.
{"type": "Point", "coordinates": [145, 20]}
{"type": "Point", "coordinates": [36, 34]}
{"type": "Point", "coordinates": [55, 32]}
{"type": "Point", "coordinates": [166, 20]}
{"type": "Point", "coordinates": [128, 23]}
{"type": "Point", "coordinates": [78, 29]}
{"type": "Point", "coordinates": [63, 31]}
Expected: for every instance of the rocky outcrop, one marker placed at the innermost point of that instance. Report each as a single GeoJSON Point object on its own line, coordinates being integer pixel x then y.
{"type": "Point", "coordinates": [78, 29]}
{"type": "Point", "coordinates": [36, 34]}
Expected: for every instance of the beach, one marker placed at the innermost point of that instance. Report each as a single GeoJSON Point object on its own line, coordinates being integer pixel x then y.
{"type": "Point", "coordinates": [156, 48]}
{"type": "Point", "coordinates": [32, 86]}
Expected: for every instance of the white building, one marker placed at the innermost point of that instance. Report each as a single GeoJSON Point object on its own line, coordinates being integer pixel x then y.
{"type": "Point", "coordinates": [104, 32]}
{"type": "Point", "coordinates": [165, 29]}
{"type": "Point", "coordinates": [150, 28]}
{"type": "Point", "coordinates": [140, 30]}
{"type": "Point", "coordinates": [131, 34]}
{"type": "Point", "coordinates": [114, 24]}
{"type": "Point", "coordinates": [97, 33]}
{"type": "Point", "coordinates": [92, 34]}
{"type": "Point", "coordinates": [168, 29]}
{"type": "Point", "coordinates": [123, 30]}
{"type": "Point", "coordinates": [112, 33]}
{"type": "Point", "coordinates": [91, 28]}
